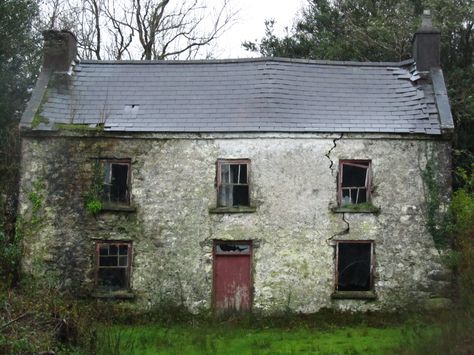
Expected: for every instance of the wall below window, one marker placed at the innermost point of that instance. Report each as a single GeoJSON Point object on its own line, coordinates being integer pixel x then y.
{"type": "Point", "coordinates": [293, 186]}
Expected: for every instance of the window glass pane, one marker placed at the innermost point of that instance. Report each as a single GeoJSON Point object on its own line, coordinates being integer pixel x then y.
{"type": "Point", "coordinates": [225, 170]}
{"type": "Point", "coordinates": [225, 195]}
{"type": "Point", "coordinates": [108, 261]}
{"type": "Point", "coordinates": [240, 195]}
{"type": "Point", "coordinates": [104, 250]}
{"type": "Point", "coordinates": [113, 249]}
{"type": "Point", "coordinates": [123, 249]}
{"type": "Point", "coordinates": [354, 266]}
{"type": "Point", "coordinates": [112, 279]}
{"type": "Point", "coordinates": [353, 176]}
{"type": "Point", "coordinates": [123, 261]}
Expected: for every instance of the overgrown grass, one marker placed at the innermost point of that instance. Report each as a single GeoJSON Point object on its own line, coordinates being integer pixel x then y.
{"type": "Point", "coordinates": [222, 339]}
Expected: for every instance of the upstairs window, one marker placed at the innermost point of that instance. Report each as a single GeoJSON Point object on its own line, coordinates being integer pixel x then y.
{"type": "Point", "coordinates": [354, 265]}
{"type": "Point", "coordinates": [116, 181]}
{"type": "Point", "coordinates": [354, 182]}
{"type": "Point", "coordinates": [113, 265]}
{"type": "Point", "coordinates": [233, 183]}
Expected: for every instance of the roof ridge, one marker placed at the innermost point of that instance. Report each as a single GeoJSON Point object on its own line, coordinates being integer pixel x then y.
{"type": "Point", "coordinates": [251, 60]}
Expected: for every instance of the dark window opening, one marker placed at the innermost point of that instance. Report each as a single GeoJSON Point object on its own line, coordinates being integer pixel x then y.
{"type": "Point", "coordinates": [113, 265]}
{"type": "Point", "coordinates": [354, 182]}
{"type": "Point", "coordinates": [233, 186]}
{"type": "Point", "coordinates": [354, 266]}
{"type": "Point", "coordinates": [116, 182]}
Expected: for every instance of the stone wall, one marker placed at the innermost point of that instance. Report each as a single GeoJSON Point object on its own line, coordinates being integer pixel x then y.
{"type": "Point", "coordinates": [293, 187]}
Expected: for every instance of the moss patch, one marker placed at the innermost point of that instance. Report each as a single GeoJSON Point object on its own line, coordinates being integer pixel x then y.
{"type": "Point", "coordinates": [357, 208]}
{"type": "Point", "coordinates": [38, 119]}
{"type": "Point", "coordinates": [77, 127]}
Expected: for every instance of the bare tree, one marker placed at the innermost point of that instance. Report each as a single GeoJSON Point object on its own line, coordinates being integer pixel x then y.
{"type": "Point", "coordinates": [145, 29]}
{"type": "Point", "coordinates": [83, 17]}
{"type": "Point", "coordinates": [120, 30]}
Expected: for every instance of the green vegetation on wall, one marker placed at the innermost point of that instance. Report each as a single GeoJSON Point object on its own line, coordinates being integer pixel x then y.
{"type": "Point", "coordinates": [462, 211]}
{"type": "Point", "coordinates": [438, 219]}
{"type": "Point", "coordinates": [93, 197]}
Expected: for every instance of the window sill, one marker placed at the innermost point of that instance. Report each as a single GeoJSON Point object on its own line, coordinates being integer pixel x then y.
{"type": "Point", "coordinates": [356, 209]}
{"type": "Point", "coordinates": [121, 294]}
{"type": "Point", "coordinates": [354, 295]}
{"type": "Point", "coordinates": [118, 207]}
{"type": "Point", "coordinates": [238, 209]}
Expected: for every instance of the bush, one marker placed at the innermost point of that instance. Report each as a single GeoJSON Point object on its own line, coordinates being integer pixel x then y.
{"type": "Point", "coordinates": [10, 256]}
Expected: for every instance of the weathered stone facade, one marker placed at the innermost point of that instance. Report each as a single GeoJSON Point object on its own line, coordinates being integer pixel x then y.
{"type": "Point", "coordinates": [293, 185]}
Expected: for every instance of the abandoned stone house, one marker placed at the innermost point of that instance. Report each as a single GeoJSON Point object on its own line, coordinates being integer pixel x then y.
{"type": "Point", "coordinates": [264, 184]}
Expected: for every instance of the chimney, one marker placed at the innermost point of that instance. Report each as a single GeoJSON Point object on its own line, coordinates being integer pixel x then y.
{"type": "Point", "coordinates": [60, 49]}
{"type": "Point", "coordinates": [426, 44]}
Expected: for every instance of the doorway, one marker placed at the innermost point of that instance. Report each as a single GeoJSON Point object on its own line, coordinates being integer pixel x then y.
{"type": "Point", "coordinates": [232, 275]}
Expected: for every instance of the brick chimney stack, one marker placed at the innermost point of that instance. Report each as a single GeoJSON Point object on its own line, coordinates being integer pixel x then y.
{"type": "Point", "coordinates": [427, 44]}
{"type": "Point", "coordinates": [60, 49]}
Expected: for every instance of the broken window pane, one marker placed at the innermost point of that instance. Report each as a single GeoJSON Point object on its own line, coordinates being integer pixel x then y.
{"type": "Point", "coordinates": [233, 189]}
{"type": "Point", "coordinates": [354, 266]}
{"type": "Point", "coordinates": [354, 182]}
{"type": "Point", "coordinates": [116, 182]}
{"type": "Point", "coordinates": [241, 195]}
{"type": "Point", "coordinates": [353, 176]}
{"type": "Point", "coordinates": [232, 248]}
{"type": "Point", "coordinates": [113, 265]}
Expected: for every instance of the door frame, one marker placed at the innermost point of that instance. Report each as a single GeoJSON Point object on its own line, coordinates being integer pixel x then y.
{"type": "Point", "coordinates": [214, 270]}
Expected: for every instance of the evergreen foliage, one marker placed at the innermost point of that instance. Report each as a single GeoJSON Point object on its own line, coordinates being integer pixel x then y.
{"type": "Point", "coordinates": [382, 30]}
{"type": "Point", "coordinates": [19, 65]}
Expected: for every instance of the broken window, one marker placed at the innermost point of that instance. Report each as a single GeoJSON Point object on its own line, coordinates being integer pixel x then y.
{"type": "Point", "coordinates": [117, 181]}
{"type": "Point", "coordinates": [354, 260]}
{"type": "Point", "coordinates": [354, 182]}
{"type": "Point", "coordinates": [232, 248]}
{"type": "Point", "coordinates": [113, 265]}
{"type": "Point", "coordinates": [232, 183]}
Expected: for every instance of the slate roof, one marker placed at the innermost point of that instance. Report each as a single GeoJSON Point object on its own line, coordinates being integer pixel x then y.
{"type": "Point", "coordinates": [246, 95]}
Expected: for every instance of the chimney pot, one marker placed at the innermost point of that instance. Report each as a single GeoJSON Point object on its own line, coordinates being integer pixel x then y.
{"type": "Point", "coordinates": [427, 44]}
{"type": "Point", "coordinates": [60, 49]}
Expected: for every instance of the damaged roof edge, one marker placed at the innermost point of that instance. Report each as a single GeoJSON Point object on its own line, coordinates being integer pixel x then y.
{"type": "Point", "coordinates": [442, 101]}
{"type": "Point", "coordinates": [36, 98]}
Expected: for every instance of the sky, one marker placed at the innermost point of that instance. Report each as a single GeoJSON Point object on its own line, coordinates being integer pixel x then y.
{"type": "Point", "coordinates": [250, 25]}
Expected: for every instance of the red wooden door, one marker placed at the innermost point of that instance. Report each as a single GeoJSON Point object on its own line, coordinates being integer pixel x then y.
{"type": "Point", "coordinates": [232, 276]}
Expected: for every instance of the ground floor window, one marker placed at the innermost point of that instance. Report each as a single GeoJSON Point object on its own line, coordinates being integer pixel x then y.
{"type": "Point", "coordinates": [354, 265]}
{"type": "Point", "coordinates": [113, 265]}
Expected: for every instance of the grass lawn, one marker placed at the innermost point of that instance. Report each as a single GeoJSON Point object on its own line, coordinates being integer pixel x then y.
{"type": "Point", "coordinates": [215, 339]}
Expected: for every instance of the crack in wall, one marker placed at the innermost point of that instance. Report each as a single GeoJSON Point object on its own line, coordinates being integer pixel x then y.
{"type": "Point", "coordinates": [343, 232]}
{"type": "Point", "coordinates": [331, 167]}
{"type": "Point", "coordinates": [328, 154]}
